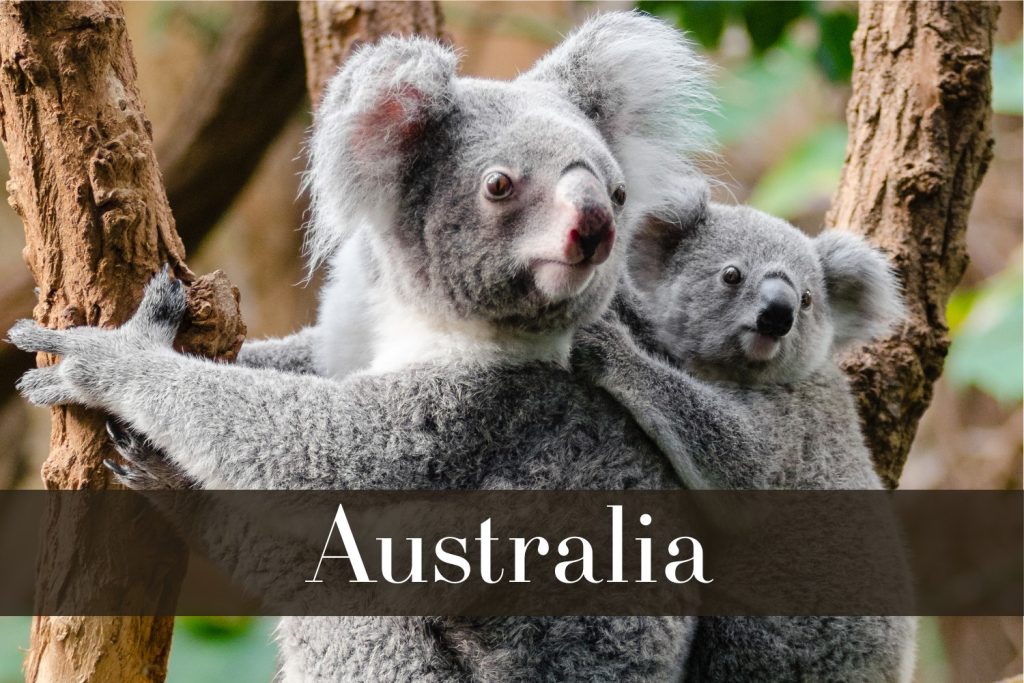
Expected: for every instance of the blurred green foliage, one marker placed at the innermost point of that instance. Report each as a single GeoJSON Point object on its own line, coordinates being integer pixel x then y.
{"type": "Point", "coordinates": [754, 91]}
{"type": "Point", "coordinates": [932, 660]}
{"type": "Point", "coordinates": [808, 170]}
{"type": "Point", "coordinates": [217, 649]}
{"type": "Point", "coordinates": [1008, 78]}
{"type": "Point", "coordinates": [767, 23]}
{"type": "Point", "coordinates": [14, 633]}
{"type": "Point", "coordinates": [987, 326]}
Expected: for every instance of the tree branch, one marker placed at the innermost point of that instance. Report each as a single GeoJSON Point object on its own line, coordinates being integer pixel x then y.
{"type": "Point", "coordinates": [331, 29]}
{"type": "Point", "coordinates": [920, 142]}
{"type": "Point", "coordinates": [235, 108]}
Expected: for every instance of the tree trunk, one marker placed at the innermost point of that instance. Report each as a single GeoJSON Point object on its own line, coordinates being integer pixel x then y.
{"type": "Point", "coordinates": [85, 181]}
{"type": "Point", "coordinates": [920, 142]}
{"type": "Point", "coordinates": [332, 28]}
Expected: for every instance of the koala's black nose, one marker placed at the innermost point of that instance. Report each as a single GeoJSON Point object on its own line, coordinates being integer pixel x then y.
{"type": "Point", "coordinates": [778, 306]}
{"type": "Point", "coordinates": [591, 239]}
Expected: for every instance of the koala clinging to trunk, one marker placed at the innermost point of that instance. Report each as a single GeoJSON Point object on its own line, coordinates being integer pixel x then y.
{"type": "Point", "coordinates": [494, 216]}
{"type": "Point", "coordinates": [755, 308]}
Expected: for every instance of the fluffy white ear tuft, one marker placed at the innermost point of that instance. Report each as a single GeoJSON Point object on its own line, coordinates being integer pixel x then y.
{"type": "Point", "coordinates": [863, 291]}
{"type": "Point", "coordinates": [374, 114]}
{"type": "Point", "coordinates": [640, 82]}
{"type": "Point", "coordinates": [657, 240]}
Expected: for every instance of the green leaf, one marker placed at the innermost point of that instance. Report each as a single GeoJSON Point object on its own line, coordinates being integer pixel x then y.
{"type": "Point", "coordinates": [1008, 78]}
{"type": "Point", "coordinates": [810, 170]}
{"type": "Point", "coordinates": [835, 31]}
{"type": "Point", "coordinates": [766, 21]}
{"type": "Point", "coordinates": [216, 628]}
{"type": "Point", "coordinates": [704, 20]}
{"type": "Point", "coordinates": [987, 351]}
{"type": "Point", "coordinates": [958, 308]}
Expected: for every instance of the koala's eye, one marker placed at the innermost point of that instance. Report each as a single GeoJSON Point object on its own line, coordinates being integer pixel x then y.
{"type": "Point", "coordinates": [732, 276]}
{"type": "Point", "coordinates": [619, 195]}
{"type": "Point", "coordinates": [805, 300]}
{"type": "Point", "coordinates": [498, 185]}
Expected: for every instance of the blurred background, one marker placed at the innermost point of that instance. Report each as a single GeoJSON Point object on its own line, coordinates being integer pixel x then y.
{"type": "Point", "coordinates": [783, 83]}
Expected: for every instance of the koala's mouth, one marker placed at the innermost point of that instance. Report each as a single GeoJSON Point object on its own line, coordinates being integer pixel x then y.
{"type": "Point", "coordinates": [559, 280]}
{"type": "Point", "coordinates": [758, 346]}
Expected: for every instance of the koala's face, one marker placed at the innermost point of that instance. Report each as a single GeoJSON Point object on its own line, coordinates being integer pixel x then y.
{"type": "Point", "coordinates": [506, 203]}
{"type": "Point", "coordinates": [512, 217]}
{"type": "Point", "coordinates": [743, 296]}
{"type": "Point", "coordinates": [748, 295]}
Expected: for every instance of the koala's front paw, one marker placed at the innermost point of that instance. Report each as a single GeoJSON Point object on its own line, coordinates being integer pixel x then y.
{"type": "Point", "coordinates": [143, 467]}
{"type": "Point", "coordinates": [48, 387]}
{"type": "Point", "coordinates": [599, 348]}
{"type": "Point", "coordinates": [71, 380]}
{"type": "Point", "coordinates": [92, 355]}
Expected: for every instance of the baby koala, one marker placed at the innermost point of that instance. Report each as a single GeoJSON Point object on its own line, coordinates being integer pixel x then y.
{"type": "Point", "coordinates": [758, 311]}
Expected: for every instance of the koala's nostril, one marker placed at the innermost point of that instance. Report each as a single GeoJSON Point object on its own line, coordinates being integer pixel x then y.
{"type": "Point", "coordinates": [589, 243]}
{"type": "Point", "coordinates": [775, 319]}
{"type": "Point", "coordinates": [591, 239]}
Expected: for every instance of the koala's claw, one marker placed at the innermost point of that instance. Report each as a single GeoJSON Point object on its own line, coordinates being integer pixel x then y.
{"type": "Point", "coordinates": [114, 467]}
{"type": "Point", "coordinates": [118, 435]}
{"type": "Point", "coordinates": [144, 466]}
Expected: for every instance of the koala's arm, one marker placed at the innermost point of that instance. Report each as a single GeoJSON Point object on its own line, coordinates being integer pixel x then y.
{"type": "Point", "coordinates": [710, 440]}
{"type": "Point", "coordinates": [779, 649]}
{"type": "Point", "coordinates": [298, 353]}
{"type": "Point", "coordinates": [233, 427]}
{"type": "Point", "coordinates": [223, 425]}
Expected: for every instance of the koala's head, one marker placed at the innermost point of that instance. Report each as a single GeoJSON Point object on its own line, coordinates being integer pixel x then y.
{"type": "Point", "coordinates": [507, 203]}
{"type": "Point", "coordinates": [744, 296]}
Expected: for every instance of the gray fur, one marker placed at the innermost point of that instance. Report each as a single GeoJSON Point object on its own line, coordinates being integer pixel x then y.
{"type": "Point", "coordinates": [797, 405]}
{"type": "Point", "coordinates": [397, 156]}
{"type": "Point", "coordinates": [430, 427]}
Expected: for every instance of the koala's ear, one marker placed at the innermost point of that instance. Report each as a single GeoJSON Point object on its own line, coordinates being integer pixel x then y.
{"type": "Point", "coordinates": [657, 240]}
{"type": "Point", "coordinates": [645, 89]}
{"type": "Point", "coordinates": [863, 292]}
{"type": "Point", "coordinates": [375, 114]}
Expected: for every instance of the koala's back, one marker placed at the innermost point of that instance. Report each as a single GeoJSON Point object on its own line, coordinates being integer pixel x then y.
{"type": "Point", "coordinates": [813, 431]}
{"type": "Point", "coordinates": [527, 427]}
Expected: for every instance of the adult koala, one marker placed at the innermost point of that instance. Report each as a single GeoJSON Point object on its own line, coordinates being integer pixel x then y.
{"type": "Point", "coordinates": [759, 312]}
{"type": "Point", "coordinates": [496, 219]}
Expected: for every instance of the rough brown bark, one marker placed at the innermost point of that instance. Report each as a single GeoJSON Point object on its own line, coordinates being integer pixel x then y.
{"type": "Point", "coordinates": [920, 142]}
{"type": "Point", "coordinates": [85, 181]}
{"type": "Point", "coordinates": [16, 302]}
{"type": "Point", "coordinates": [236, 107]}
{"type": "Point", "coordinates": [332, 28]}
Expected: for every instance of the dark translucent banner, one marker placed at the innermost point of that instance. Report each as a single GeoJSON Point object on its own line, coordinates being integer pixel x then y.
{"type": "Point", "coordinates": [489, 553]}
